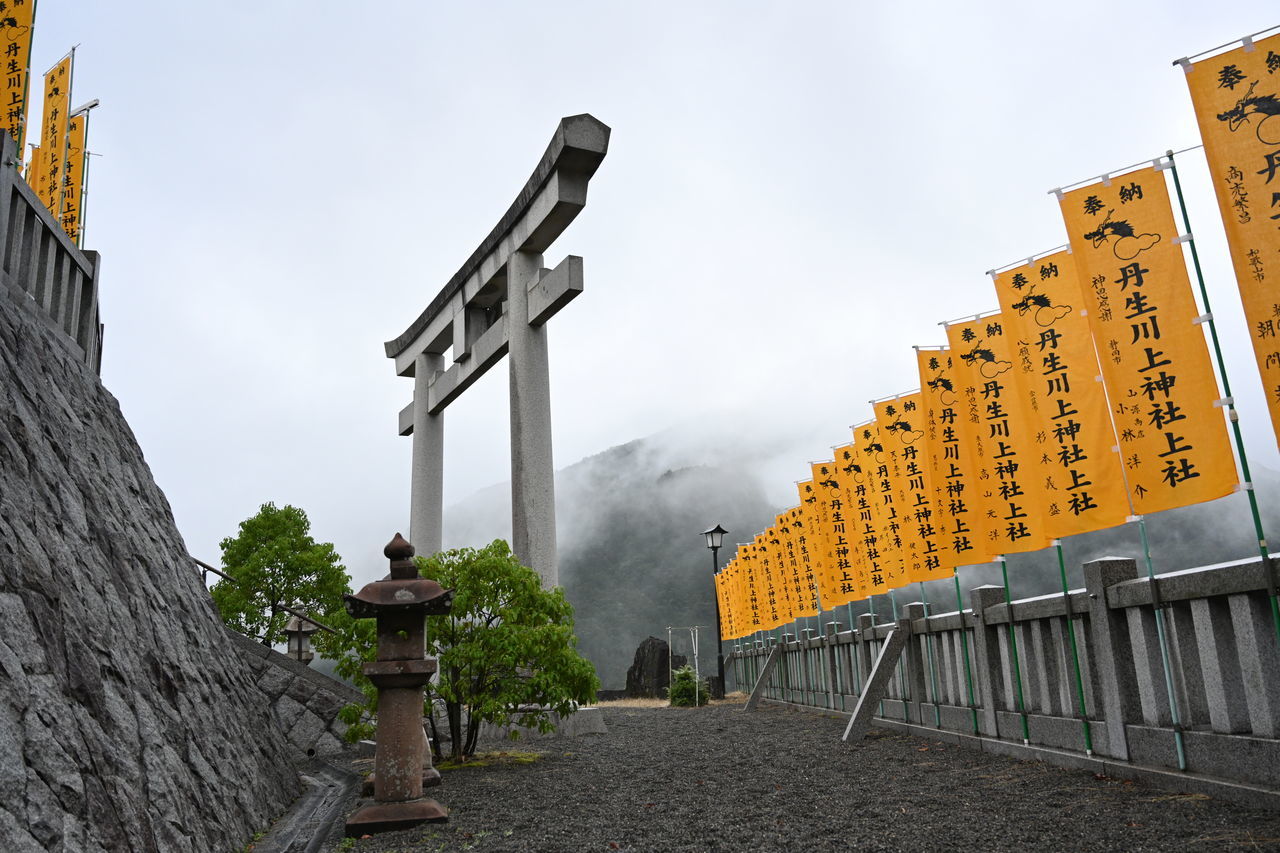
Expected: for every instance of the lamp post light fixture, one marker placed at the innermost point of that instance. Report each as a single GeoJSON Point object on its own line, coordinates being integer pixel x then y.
{"type": "Point", "coordinates": [715, 538]}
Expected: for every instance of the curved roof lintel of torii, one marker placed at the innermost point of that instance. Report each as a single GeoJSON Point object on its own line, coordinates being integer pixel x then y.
{"type": "Point", "coordinates": [468, 313]}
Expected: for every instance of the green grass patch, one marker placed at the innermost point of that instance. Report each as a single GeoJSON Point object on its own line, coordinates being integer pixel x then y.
{"type": "Point", "coordinates": [492, 759]}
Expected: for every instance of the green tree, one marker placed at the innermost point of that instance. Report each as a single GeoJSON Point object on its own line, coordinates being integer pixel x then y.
{"type": "Point", "coordinates": [275, 562]}
{"type": "Point", "coordinates": [507, 651]}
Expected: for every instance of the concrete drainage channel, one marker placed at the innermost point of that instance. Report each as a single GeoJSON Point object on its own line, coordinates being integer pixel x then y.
{"type": "Point", "coordinates": [305, 827]}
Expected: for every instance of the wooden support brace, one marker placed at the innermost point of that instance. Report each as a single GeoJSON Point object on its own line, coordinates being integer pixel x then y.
{"type": "Point", "coordinates": [767, 670]}
{"type": "Point", "coordinates": [877, 681]}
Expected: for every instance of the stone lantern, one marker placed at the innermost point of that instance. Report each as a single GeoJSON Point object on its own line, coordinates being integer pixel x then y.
{"type": "Point", "coordinates": [402, 763]}
{"type": "Point", "coordinates": [299, 632]}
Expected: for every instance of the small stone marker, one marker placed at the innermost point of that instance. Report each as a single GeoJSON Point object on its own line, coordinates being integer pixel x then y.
{"type": "Point", "coordinates": [402, 764]}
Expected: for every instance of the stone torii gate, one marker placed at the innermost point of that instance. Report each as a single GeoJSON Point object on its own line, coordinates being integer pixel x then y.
{"type": "Point", "coordinates": [498, 304]}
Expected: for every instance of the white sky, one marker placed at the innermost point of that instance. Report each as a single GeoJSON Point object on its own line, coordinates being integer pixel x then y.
{"type": "Point", "coordinates": [794, 195]}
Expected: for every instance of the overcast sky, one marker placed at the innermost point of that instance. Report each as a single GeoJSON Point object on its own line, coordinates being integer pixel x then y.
{"type": "Point", "coordinates": [794, 195]}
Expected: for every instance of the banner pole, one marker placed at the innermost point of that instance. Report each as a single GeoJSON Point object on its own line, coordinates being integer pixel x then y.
{"type": "Point", "coordinates": [1075, 652]}
{"type": "Point", "coordinates": [1164, 648]}
{"type": "Point", "coordinates": [964, 646]}
{"type": "Point", "coordinates": [933, 673]}
{"type": "Point", "coordinates": [1267, 567]}
{"type": "Point", "coordinates": [1013, 652]}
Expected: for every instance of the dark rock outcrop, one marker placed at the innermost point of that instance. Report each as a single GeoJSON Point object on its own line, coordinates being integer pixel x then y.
{"type": "Point", "coordinates": [649, 676]}
{"type": "Point", "coordinates": [127, 719]}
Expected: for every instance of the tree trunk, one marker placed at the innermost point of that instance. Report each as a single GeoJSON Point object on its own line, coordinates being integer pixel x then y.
{"type": "Point", "coordinates": [454, 710]}
{"type": "Point", "coordinates": [473, 733]}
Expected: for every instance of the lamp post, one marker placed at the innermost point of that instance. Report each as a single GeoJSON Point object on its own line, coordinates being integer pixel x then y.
{"type": "Point", "coordinates": [715, 537]}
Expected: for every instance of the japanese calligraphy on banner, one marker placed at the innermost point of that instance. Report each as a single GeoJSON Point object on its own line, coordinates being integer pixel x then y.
{"type": "Point", "coordinates": [994, 419]}
{"type": "Point", "coordinates": [952, 474]}
{"type": "Point", "coordinates": [53, 132]}
{"type": "Point", "coordinates": [73, 177]}
{"type": "Point", "coordinates": [16, 23]}
{"type": "Point", "coordinates": [1056, 369]}
{"type": "Point", "coordinates": [774, 609]}
{"type": "Point", "coordinates": [753, 588]}
{"type": "Point", "coordinates": [1155, 364]}
{"type": "Point", "coordinates": [817, 523]}
{"type": "Point", "coordinates": [880, 527]}
{"type": "Point", "coordinates": [796, 540]}
{"type": "Point", "coordinates": [1237, 102]}
{"type": "Point", "coordinates": [838, 585]}
{"type": "Point", "coordinates": [856, 581]}
{"type": "Point", "coordinates": [901, 421]}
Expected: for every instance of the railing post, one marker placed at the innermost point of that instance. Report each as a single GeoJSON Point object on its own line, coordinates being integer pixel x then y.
{"type": "Point", "coordinates": [831, 647]}
{"type": "Point", "coordinates": [1259, 660]}
{"type": "Point", "coordinates": [862, 648]}
{"type": "Point", "coordinates": [986, 644]}
{"type": "Point", "coordinates": [1111, 653]}
{"type": "Point", "coordinates": [916, 699]}
{"type": "Point", "coordinates": [1220, 664]}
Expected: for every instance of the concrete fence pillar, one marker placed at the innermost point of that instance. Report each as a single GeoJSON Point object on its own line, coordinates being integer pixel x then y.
{"type": "Point", "coordinates": [986, 665]}
{"type": "Point", "coordinates": [917, 696]}
{"type": "Point", "coordinates": [1259, 661]}
{"type": "Point", "coordinates": [1112, 655]}
{"type": "Point", "coordinates": [1220, 665]}
{"type": "Point", "coordinates": [862, 658]}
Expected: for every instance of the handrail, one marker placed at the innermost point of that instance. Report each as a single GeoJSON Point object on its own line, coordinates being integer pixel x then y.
{"type": "Point", "coordinates": [205, 568]}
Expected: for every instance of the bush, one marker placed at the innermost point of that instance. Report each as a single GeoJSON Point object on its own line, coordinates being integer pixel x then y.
{"type": "Point", "coordinates": [686, 691]}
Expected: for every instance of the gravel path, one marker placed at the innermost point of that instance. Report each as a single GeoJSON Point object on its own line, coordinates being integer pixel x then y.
{"type": "Point", "coordinates": [716, 778]}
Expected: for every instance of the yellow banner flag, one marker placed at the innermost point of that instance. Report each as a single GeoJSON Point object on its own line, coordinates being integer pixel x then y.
{"type": "Point", "coordinates": [878, 519]}
{"type": "Point", "coordinates": [795, 545]}
{"type": "Point", "coordinates": [1056, 369]}
{"type": "Point", "coordinates": [1237, 102]}
{"type": "Point", "coordinates": [16, 22]}
{"type": "Point", "coordinates": [836, 584]}
{"type": "Point", "coordinates": [782, 580]}
{"type": "Point", "coordinates": [53, 133]}
{"type": "Point", "coordinates": [817, 520]}
{"type": "Point", "coordinates": [34, 174]}
{"type": "Point", "coordinates": [73, 176]}
{"type": "Point", "coordinates": [952, 475]}
{"type": "Point", "coordinates": [993, 418]}
{"type": "Point", "coordinates": [855, 579]}
{"type": "Point", "coordinates": [901, 421]}
{"type": "Point", "coordinates": [1173, 440]}
{"type": "Point", "coordinates": [754, 585]}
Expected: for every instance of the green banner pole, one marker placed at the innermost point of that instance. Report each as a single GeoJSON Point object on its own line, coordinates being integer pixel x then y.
{"type": "Point", "coordinates": [1013, 653]}
{"type": "Point", "coordinates": [964, 646]}
{"type": "Point", "coordinates": [1075, 651]}
{"type": "Point", "coordinates": [1164, 648]}
{"type": "Point", "coordinates": [933, 674]}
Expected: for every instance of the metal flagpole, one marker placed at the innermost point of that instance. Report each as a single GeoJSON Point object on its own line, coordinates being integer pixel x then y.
{"type": "Point", "coordinates": [1013, 651]}
{"type": "Point", "coordinates": [1247, 485]}
{"type": "Point", "coordinates": [1075, 651]}
{"type": "Point", "coordinates": [1162, 636]}
{"type": "Point", "coordinates": [964, 645]}
{"type": "Point", "coordinates": [933, 673]}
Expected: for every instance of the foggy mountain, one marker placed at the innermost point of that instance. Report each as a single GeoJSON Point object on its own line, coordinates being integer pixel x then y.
{"type": "Point", "coordinates": [632, 557]}
{"type": "Point", "coordinates": [633, 562]}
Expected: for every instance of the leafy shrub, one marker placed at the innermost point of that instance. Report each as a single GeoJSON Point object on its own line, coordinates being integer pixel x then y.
{"type": "Point", "coordinates": [686, 691]}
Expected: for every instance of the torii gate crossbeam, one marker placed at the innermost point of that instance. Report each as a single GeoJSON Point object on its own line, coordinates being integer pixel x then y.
{"type": "Point", "coordinates": [498, 304]}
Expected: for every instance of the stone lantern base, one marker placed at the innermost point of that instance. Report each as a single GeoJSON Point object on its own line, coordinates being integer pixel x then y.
{"type": "Point", "coordinates": [390, 817]}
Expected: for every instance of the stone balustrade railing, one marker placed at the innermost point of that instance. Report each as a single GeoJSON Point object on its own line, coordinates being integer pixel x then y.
{"type": "Point", "coordinates": [1224, 659]}
{"type": "Point", "coordinates": [39, 262]}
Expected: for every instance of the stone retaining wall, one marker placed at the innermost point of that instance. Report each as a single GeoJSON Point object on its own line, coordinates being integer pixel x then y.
{"type": "Point", "coordinates": [305, 703]}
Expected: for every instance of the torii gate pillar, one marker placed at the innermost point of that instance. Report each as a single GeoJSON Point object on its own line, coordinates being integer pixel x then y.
{"type": "Point", "coordinates": [497, 304]}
